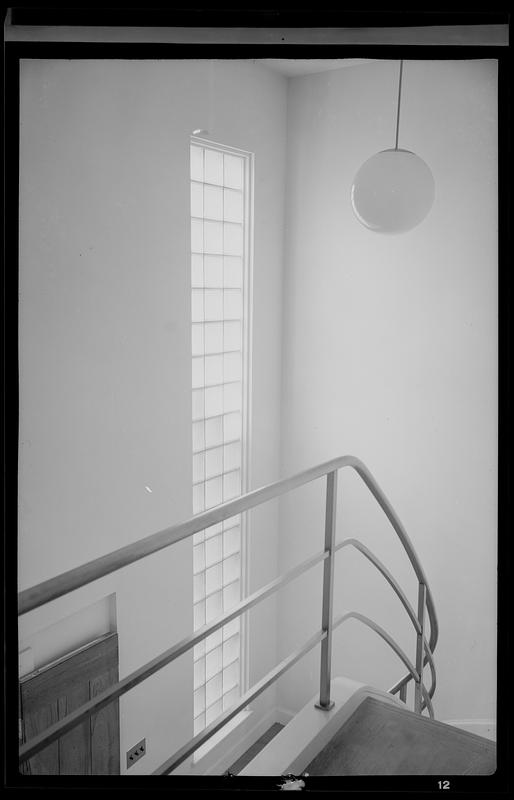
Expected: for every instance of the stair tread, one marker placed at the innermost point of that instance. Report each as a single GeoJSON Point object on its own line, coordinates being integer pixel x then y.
{"type": "Point", "coordinates": [384, 739]}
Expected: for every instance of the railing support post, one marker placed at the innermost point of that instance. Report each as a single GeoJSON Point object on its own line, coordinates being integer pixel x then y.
{"type": "Point", "coordinates": [420, 648]}
{"type": "Point", "coordinates": [328, 585]}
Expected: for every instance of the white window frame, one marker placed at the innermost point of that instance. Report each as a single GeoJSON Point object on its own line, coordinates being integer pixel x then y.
{"type": "Point", "coordinates": [246, 410]}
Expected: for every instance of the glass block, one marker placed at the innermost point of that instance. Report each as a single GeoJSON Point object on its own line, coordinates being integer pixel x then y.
{"type": "Point", "coordinates": [213, 337]}
{"type": "Point", "coordinates": [198, 467]}
{"type": "Point", "coordinates": [213, 405]}
{"type": "Point", "coordinates": [213, 606]}
{"type": "Point", "coordinates": [213, 304]}
{"type": "Point", "coordinates": [233, 275]}
{"type": "Point", "coordinates": [231, 484]}
{"type": "Point", "coordinates": [198, 537]}
{"type": "Point", "coordinates": [198, 498]}
{"type": "Point", "coordinates": [213, 462]}
{"type": "Point", "coordinates": [213, 428]}
{"type": "Point", "coordinates": [213, 550]}
{"type": "Point", "coordinates": [232, 456]}
{"type": "Point", "coordinates": [197, 338]}
{"type": "Point", "coordinates": [199, 724]}
{"type": "Point", "coordinates": [199, 586]}
{"type": "Point", "coordinates": [213, 662]}
{"type": "Point", "coordinates": [232, 238]}
{"type": "Point", "coordinates": [233, 171]}
{"type": "Point", "coordinates": [213, 202]}
{"type": "Point", "coordinates": [197, 312]}
{"type": "Point", "coordinates": [199, 650]}
{"type": "Point", "coordinates": [232, 303]}
{"type": "Point", "coordinates": [197, 234]}
{"type": "Point", "coordinates": [199, 701]}
{"type": "Point", "coordinates": [231, 697]}
{"type": "Point", "coordinates": [231, 367]}
{"type": "Point", "coordinates": [199, 614]}
{"type": "Point", "coordinates": [231, 595]}
{"type": "Point", "coordinates": [213, 266]}
{"type": "Point", "coordinates": [231, 426]}
{"type": "Point", "coordinates": [198, 436]}
{"type": "Point", "coordinates": [198, 558]}
{"type": "Point", "coordinates": [231, 569]}
{"type": "Point", "coordinates": [199, 673]}
{"type": "Point", "coordinates": [231, 675]}
{"type": "Point", "coordinates": [232, 399]}
{"type": "Point", "coordinates": [231, 649]}
{"type": "Point", "coordinates": [213, 238]}
{"type": "Point", "coordinates": [197, 372]}
{"type": "Point", "coordinates": [213, 578]}
{"type": "Point", "coordinates": [197, 270]}
{"type": "Point", "coordinates": [214, 369]}
{"type": "Point", "coordinates": [196, 199]}
{"type": "Point", "coordinates": [197, 404]}
{"type": "Point", "coordinates": [213, 492]}
{"type": "Point", "coordinates": [213, 530]}
{"type": "Point", "coordinates": [213, 166]}
{"type": "Point", "coordinates": [231, 628]}
{"type": "Point", "coordinates": [214, 640]}
{"type": "Point", "coordinates": [196, 163]}
{"type": "Point", "coordinates": [232, 206]}
{"type": "Point", "coordinates": [213, 712]}
{"type": "Point", "coordinates": [213, 689]}
{"type": "Point", "coordinates": [232, 522]}
{"type": "Point", "coordinates": [231, 541]}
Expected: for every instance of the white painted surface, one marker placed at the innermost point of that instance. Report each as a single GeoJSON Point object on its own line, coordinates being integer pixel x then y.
{"type": "Point", "coordinates": [292, 67]}
{"type": "Point", "coordinates": [105, 352]}
{"type": "Point", "coordinates": [71, 632]}
{"type": "Point", "coordinates": [390, 354]}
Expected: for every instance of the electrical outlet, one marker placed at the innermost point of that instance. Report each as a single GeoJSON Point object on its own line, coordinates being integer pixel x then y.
{"type": "Point", "coordinates": [135, 753]}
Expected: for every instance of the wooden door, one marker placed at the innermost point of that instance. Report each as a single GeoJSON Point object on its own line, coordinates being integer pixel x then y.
{"type": "Point", "coordinates": [93, 746]}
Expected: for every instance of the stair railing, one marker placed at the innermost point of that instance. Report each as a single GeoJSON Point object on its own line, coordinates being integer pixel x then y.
{"type": "Point", "coordinates": [46, 591]}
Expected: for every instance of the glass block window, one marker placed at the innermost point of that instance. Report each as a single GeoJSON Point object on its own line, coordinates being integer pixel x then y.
{"type": "Point", "coordinates": [219, 259]}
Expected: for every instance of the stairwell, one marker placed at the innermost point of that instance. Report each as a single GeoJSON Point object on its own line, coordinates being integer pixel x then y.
{"type": "Point", "coordinates": [382, 739]}
{"type": "Point", "coordinates": [370, 732]}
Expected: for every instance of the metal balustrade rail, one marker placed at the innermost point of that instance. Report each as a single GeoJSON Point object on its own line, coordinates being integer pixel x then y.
{"type": "Point", "coordinates": [43, 593]}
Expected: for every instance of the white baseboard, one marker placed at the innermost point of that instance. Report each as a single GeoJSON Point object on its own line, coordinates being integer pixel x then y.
{"type": "Point", "coordinates": [215, 763]}
{"type": "Point", "coordinates": [283, 715]}
{"type": "Point", "coordinates": [480, 727]}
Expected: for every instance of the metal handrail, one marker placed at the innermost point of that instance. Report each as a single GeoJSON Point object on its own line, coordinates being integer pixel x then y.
{"type": "Point", "coordinates": [408, 607]}
{"type": "Point", "coordinates": [102, 699]}
{"type": "Point", "coordinates": [383, 634]}
{"type": "Point", "coordinates": [387, 575]}
{"type": "Point", "coordinates": [46, 591]}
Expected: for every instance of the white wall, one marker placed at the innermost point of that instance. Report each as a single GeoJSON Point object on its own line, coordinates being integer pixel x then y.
{"type": "Point", "coordinates": [105, 352]}
{"type": "Point", "coordinates": [390, 354]}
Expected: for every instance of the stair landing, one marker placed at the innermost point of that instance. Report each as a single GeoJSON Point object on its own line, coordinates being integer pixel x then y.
{"type": "Point", "coordinates": [384, 739]}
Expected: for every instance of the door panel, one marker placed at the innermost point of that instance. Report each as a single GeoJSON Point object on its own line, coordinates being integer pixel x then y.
{"type": "Point", "coordinates": [104, 730]}
{"type": "Point", "coordinates": [46, 762]}
{"type": "Point", "coordinates": [91, 748]}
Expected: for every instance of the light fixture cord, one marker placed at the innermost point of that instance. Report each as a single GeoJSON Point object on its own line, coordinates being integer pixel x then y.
{"type": "Point", "coordinates": [399, 98]}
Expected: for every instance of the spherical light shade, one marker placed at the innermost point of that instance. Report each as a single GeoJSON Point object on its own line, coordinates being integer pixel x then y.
{"type": "Point", "coordinates": [393, 191]}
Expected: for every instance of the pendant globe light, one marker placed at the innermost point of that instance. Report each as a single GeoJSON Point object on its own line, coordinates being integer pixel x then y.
{"type": "Point", "coordinates": [394, 190]}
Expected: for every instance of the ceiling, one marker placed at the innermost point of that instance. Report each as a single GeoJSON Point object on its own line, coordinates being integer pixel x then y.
{"type": "Point", "coordinates": [306, 66]}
